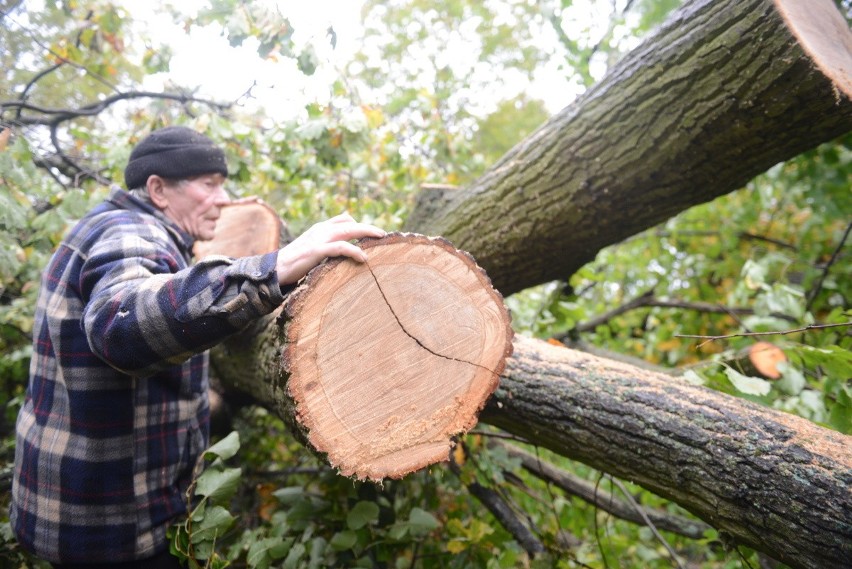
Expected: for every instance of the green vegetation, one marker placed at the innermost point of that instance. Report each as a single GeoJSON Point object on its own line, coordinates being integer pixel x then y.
{"type": "Point", "coordinates": [767, 258]}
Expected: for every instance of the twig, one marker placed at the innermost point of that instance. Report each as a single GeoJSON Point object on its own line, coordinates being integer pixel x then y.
{"type": "Point", "coordinates": [636, 302]}
{"type": "Point", "coordinates": [648, 522]}
{"type": "Point", "coordinates": [827, 267]}
{"type": "Point", "coordinates": [89, 72]}
{"type": "Point", "coordinates": [776, 333]}
{"type": "Point", "coordinates": [503, 513]}
{"type": "Point", "coordinates": [587, 492]}
{"type": "Point", "coordinates": [54, 138]}
{"type": "Point", "coordinates": [648, 300]}
{"type": "Point", "coordinates": [58, 115]}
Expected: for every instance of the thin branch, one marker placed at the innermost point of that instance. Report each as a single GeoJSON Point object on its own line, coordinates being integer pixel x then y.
{"type": "Point", "coordinates": [648, 300]}
{"type": "Point", "coordinates": [504, 514]}
{"type": "Point", "coordinates": [710, 308]}
{"type": "Point", "coordinates": [776, 333]}
{"type": "Point", "coordinates": [743, 235]}
{"type": "Point", "coordinates": [98, 77]}
{"type": "Point", "coordinates": [828, 266]}
{"type": "Point", "coordinates": [54, 138]}
{"type": "Point", "coordinates": [501, 510]}
{"type": "Point", "coordinates": [637, 302]}
{"type": "Point", "coordinates": [648, 522]}
{"type": "Point", "coordinates": [53, 118]}
{"type": "Point", "coordinates": [606, 501]}
{"type": "Point", "coordinates": [36, 78]}
{"type": "Point", "coordinates": [61, 115]}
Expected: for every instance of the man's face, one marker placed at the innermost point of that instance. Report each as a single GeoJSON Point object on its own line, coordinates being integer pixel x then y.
{"type": "Point", "coordinates": [195, 204]}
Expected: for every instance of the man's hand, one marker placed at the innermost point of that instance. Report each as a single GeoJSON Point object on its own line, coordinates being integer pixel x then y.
{"type": "Point", "coordinates": [329, 238]}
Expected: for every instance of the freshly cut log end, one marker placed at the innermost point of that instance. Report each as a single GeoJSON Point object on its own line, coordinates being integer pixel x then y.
{"type": "Point", "coordinates": [824, 35]}
{"type": "Point", "coordinates": [244, 229]}
{"type": "Point", "coordinates": [387, 361]}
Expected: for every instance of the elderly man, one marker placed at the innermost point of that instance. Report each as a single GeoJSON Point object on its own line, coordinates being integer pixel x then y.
{"type": "Point", "coordinates": [116, 412]}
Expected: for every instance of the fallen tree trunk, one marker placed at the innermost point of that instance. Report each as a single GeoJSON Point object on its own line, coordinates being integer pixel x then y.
{"type": "Point", "coordinates": [773, 481]}
{"type": "Point", "coordinates": [722, 92]}
{"type": "Point", "coordinates": [378, 365]}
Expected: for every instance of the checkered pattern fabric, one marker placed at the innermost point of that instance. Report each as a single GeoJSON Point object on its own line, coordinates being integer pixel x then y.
{"type": "Point", "coordinates": [116, 411]}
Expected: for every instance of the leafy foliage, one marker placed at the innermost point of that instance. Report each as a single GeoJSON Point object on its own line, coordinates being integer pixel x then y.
{"type": "Point", "coordinates": [403, 113]}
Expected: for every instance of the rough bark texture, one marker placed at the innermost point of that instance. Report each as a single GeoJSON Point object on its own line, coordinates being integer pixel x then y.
{"type": "Point", "coordinates": [773, 481]}
{"type": "Point", "coordinates": [767, 479]}
{"type": "Point", "coordinates": [721, 93]}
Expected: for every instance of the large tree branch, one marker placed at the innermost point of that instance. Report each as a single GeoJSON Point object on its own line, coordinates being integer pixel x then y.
{"type": "Point", "coordinates": [723, 91]}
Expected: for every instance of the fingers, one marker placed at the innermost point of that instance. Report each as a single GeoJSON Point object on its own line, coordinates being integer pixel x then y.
{"type": "Point", "coordinates": [329, 238]}
{"type": "Point", "coordinates": [341, 218]}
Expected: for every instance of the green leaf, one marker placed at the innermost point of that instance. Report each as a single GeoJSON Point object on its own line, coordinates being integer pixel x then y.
{"type": "Point", "coordinates": [362, 514]}
{"type": "Point", "coordinates": [344, 540]}
{"type": "Point", "coordinates": [218, 484]}
{"type": "Point", "coordinates": [264, 551]}
{"type": "Point", "coordinates": [748, 385]}
{"type": "Point", "coordinates": [422, 522]}
{"type": "Point", "coordinates": [792, 379]}
{"type": "Point", "coordinates": [317, 550]}
{"type": "Point", "coordinates": [224, 449]}
{"type": "Point", "coordinates": [840, 416]}
{"type": "Point", "coordinates": [293, 557]}
{"type": "Point", "coordinates": [289, 494]}
{"type": "Point", "coordinates": [692, 378]}
{"type": "Point", "coordinates": [216, 521]}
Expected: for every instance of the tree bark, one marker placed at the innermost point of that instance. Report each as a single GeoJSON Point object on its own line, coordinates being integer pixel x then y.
{"type": "Point", "coordinates": [723, 91]}
{"type": "Point", "coordinates": [773, 481]}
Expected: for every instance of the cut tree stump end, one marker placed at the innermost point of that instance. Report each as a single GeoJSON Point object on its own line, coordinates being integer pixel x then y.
{"type": "Point", "coordinates": [389, 360]}
{"type": "Point", "coordinates": [244, 229]}
{"type": "Point", "coordinates": [824, 35]}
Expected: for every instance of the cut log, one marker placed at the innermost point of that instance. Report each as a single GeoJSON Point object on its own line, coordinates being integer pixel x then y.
{"type": "Point", "coordinates": [244, 229]}
{"type": "Point", "coordinates": [387, 360]}
{"type": "Point", "coordinates": [379, 365]}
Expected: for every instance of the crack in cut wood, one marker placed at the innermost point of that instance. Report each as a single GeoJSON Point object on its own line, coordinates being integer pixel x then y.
{"type": "Point", "coordinates": [416, 340]}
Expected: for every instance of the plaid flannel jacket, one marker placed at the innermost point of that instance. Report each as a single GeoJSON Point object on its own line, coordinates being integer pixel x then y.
{"type": "Point", "coordinates": [116, 411]}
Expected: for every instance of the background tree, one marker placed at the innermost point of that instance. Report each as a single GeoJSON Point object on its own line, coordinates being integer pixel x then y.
{"type": "Point", "coordinates": [72, 88]}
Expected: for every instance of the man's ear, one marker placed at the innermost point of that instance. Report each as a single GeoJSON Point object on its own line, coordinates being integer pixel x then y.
{"type": "Point", "coordinates": [156, 191]}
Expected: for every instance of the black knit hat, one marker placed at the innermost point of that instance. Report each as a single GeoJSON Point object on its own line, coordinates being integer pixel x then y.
{"type": "Point", "coordinates": [173, 152]}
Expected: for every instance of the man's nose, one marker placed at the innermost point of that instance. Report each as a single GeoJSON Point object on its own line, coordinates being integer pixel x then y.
{"type": "Point", "coordinates": [222, 196]}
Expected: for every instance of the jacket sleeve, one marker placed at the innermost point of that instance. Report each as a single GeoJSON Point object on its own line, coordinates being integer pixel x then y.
{"type": "Point", "coordinates": [145, 312]}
